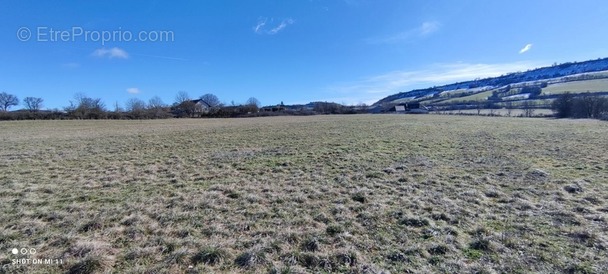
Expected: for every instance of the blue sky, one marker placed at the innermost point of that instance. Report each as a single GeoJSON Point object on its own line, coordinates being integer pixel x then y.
{"type": "Point", "coordinates": [295, 51]}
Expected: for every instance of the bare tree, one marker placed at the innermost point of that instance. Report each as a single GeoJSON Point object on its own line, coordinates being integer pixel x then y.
{"type": "Point", "coordinates": [86, 107]}
{"type": "Point", "coordinates": [253, 102]}
{"type": "Point", "coordinates": [181, 97]}
{"type": "Point", "coordinates": [136, 108]}
{"type": "Point", "coordinates": [528, 108]}
{"type": "Point", "coordinates": [157, 108]}
{"type": "Point", "coordinates": [562, 105]}
{"type": "Point", "coordinates": [135, 105]}
{"type": "Point", "coordinates": [184, 109]}
{"type": "Point", "coordinates": [584, 105]}
{"type": "Point", "coordinates": [479, 107]}
{"type": "Point", "coordinates": [33, 104]}
{"type": "Point", "coordinates": [251, 106]}
{"type": "Point", "coordinates": [7, 101]}
{"type": "Point", "coordinates": [492, 112]}
{"type": "Point", "coordinates": [211, 100]}
{"type": "Point", "coordinates": [155, 103]}
{"type": "Point", "coordinates": [509, 106]}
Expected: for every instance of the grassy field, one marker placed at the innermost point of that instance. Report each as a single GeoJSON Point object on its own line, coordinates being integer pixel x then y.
{"type": "Point", "coordinates": [482, 96]}
{"type": "Point", "coordinates": [596, 85]}
{"type": "Point", "coordinates": [540, 112]}
{"type": "Point", "coordinates": [354, 194]}
{"type": "Point", "coordinates": [578, 86]}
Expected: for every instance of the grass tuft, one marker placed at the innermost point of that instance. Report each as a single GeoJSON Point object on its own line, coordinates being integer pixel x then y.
{"type": "Point", "coordinates": [415, 222]}
{"type": "Point", "coordinates": [359, 197]}
{"type": "Point", "coordinates": [92, 264]}
{"type": "Point", "coordinates": [334, 229]}
{"type": "Point", "coordinates": [250, 259]}
{"type": "Point", "coordinates": [438, 250]}
{"type": "Point", "coordinates": [210, 255]}
{"type": "Point", "coordinates": [310, 244]}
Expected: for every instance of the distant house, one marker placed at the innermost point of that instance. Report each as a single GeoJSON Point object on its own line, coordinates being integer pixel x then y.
{"type": "Point", "coordinates": [190, 108]}
{"type": "Point", "coordinates": [200, 107]}
{"type": "Point", "coordinates": [273, 108]}
{"type": "Point", "coordinates": [411, 108]}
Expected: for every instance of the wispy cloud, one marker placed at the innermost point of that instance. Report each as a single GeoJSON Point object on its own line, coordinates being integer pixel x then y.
{"type": "Point", "coordinates": [525, 48]}
{"type": "Point", "coordinates": [260, 25]}
{"type": "Point", "coordinates": [376, 87]}
{"type": "Point", "coordinates": [425, 29]}
{"type": "Point", "coordinates": [281, 26]}
{"type": "Point", "coordinates": [133, 91]}
{"type": "Point", "coordinates": [268, 26]}
{"type": "Point", "coordinates": [429, 27]}
{"type": "Point", "coordinates": [111, 53]}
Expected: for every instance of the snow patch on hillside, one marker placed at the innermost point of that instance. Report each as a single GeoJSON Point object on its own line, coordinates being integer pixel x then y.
{"type": "Point", "coordinates": [517, 96]}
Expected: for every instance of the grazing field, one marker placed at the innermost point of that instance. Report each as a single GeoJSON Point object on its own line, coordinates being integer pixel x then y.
{"type": "Point", "coordinates": [355, 194]}
{"type": "Point", "coordinates": [540, 112]}
{"type": "Point", "coordinates": [482, 96]}
{"type": "Point", "coordinates": [596, 85]}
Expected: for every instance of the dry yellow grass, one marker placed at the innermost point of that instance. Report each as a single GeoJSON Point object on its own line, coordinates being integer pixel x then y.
{"type": "Point", "coordinates": [357, 194]}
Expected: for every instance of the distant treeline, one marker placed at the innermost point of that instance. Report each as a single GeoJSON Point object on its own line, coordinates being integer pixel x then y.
{"type": "Point", "coordinates": [567, 105]}
{"type": "Point", "coordinates": [585, 105]}
{"type": "Point", "coordinates": [208, 105]}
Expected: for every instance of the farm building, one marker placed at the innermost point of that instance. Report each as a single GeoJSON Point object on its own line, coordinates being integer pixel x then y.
{"type": "Point", "coordinates": [411, 108]}
{"type": "Point", "coordinates": [200, 107]}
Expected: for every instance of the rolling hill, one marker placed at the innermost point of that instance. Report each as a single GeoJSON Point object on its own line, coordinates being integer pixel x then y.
{"type": "Point", "coordinates": [536, 85]}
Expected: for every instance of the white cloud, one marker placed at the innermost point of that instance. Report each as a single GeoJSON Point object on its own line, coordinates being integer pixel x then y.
{"type": "Point", "coordinates": [376, 87]}
{"type": "Point", "coordinates": [264, 26]}
{"type": "Point", "coordinates": [423, 30]}
{"type": "Point", "coordinates": [281, 26]}
{"type": "Point", "coordinates": [429, 27]}
{"type": "Point", "coordinates": [525, 49]}
{"type": "Point", "coordinates": [133, 90]}
{"type": "Point", "coordinates": [111, 53]}
{"type": "Point", "coordinates": [260, 25]}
